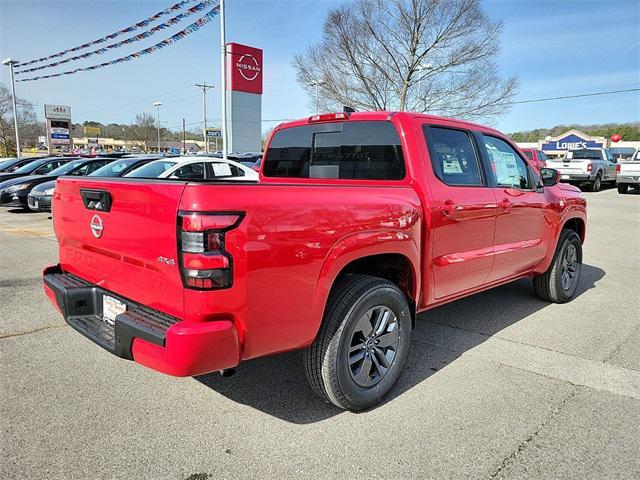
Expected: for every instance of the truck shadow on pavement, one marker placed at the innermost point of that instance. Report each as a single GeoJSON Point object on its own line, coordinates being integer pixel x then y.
{"type": "Point", "coordinates": [277, 385]}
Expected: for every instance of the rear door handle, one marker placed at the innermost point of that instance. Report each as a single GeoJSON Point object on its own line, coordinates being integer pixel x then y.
{"type": "Point", "coordinates": [505, 204]}
{"type": "Point", "coordinates": [446, 208]}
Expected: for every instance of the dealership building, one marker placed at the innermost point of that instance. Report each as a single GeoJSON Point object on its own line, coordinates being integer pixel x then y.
{"type": "Point", "coordinates": [558, 146]}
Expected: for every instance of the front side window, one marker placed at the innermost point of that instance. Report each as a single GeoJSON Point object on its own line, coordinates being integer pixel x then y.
{"type": "Point", "coordinates": [367, 150]}
{"type": "Point", "coordinates": [453, 157]}
{"type": "Point", "coordinates": [48, 167]}
{"type": "Point", "coordinates": [508, 169]}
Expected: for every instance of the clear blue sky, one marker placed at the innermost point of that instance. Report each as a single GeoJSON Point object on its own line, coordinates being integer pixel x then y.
{"type": "Point", "coordinates": [555, 47]}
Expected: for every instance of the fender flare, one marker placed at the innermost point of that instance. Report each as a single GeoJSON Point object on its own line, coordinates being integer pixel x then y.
{"type": "Point", "coordinates": [355, 246]}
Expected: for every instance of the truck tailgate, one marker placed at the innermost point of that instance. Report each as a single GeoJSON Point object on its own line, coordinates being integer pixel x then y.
{"type": "Point", "coordinates": [569, 166]}
{"type": "Point", "coordinates": [130, 250]}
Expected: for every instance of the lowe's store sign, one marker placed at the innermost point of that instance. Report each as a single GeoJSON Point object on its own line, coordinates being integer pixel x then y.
{"type": "Point", "coordinates": [570, 142]}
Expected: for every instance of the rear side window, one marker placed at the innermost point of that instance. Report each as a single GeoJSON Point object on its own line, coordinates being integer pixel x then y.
{"type": "Point", "coordinates": [453, 157]}
{"type": "Point", "coordinates": [346, 150]}
{"type": "Point", "coordinates": [190, 171]}
{"type": "Point", "coordinates": [529, 154]}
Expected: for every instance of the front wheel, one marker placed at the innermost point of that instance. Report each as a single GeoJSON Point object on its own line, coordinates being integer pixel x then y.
{"type": "Point", "coordinates": [363, 343]}
{"type": "Point", "coordinates": [560, 282]}
{"type": "Point", "coordinates": [622, 188]}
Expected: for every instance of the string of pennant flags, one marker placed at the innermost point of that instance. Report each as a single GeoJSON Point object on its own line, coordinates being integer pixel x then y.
{"type": "Point", "coordinates": [194, 27]}
{"type": "Point", "coordinates": [167, 11]}
{"type": "Point", "coordinates": [136, 38]}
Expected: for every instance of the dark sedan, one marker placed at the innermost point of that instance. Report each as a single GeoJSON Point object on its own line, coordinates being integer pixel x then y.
{"type": "Point", "coordinates": [14, 192]}
{"type": "Point", "coordinates": [40, 166]}
{"type": "Point", "coordinates": [39, 198]}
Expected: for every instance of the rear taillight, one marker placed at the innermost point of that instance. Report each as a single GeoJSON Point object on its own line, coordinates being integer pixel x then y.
{"type": "Point", "coordinates": [618, 168]}
{"type": "Point", "coordinates": [590, 167]}
{"type": "Point", "coordinates": [204, 261]}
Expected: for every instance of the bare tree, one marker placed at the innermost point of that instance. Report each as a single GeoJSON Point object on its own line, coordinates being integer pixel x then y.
{"type": "Point", "coordinates": [434, 56]}
{"type": "Point", "coordinates": [144, 129]}
{"type": "Point", "coordinates": [29, 129]}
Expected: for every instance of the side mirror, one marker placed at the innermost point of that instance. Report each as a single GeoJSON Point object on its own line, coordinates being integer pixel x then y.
{"type": "Point", "coordinates": [550, 177]}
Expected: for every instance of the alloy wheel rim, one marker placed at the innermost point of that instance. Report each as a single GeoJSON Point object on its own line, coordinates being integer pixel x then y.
{"type": "Point", "coordinates": [569, 272]}
{"type": "Point", "coordinates": [373, 346]}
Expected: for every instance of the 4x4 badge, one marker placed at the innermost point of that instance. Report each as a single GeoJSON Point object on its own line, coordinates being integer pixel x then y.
{"type": "Point", "coordinates": [96, 226]}
{"type": "Point", "coordinates": [168, 261]}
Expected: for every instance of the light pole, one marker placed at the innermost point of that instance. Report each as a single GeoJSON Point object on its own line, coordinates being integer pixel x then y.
{"type": "Point", "coordinates": [157, 105]}
{"type": "Point", "coordinates": [204, 88]}
{"type": "Point", "coordinates": [223, 79]}
{"type": "Point", "coordinates": [11, 62]}
{"type": "Point", "coordinates": [316, 84]}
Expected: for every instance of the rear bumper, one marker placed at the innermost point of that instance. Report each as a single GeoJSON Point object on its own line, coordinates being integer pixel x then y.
{"type": "Point", "coordinates": [627, 179]}
{"type": "Point", "coordinates": [576, 177]}
{"type": "Point", "coordinates": [147, 336]}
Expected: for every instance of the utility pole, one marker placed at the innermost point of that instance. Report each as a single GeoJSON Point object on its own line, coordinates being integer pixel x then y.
{"type": "Point", "coordinates": [316, 84]}
{"type": "Point", "coordinates": [204, 88]}
{"type": "Point", "coordinates": [223, 79]}
{"type": "Point", "coordinates": [184, 137]}
{"type": "Point", "coordinates": [11, 62]}
{"type": "Point", "coordinates": [157, 105]}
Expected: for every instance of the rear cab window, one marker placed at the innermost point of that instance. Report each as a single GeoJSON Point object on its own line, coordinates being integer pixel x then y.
{"type": "Point", "coordinates": [453, 156]}
{"type": "Point", "coordinates": [356, 150]}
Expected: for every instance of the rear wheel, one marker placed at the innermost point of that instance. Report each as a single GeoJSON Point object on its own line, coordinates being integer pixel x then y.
{"type": "Point", "coordinates": [363, 343]}
{"type": "Point", "coordinates": [560, 282]}
{"type": "Point", "coordinates": [597, 183]}
{"type": "Point", "coordinates": [622, 188]}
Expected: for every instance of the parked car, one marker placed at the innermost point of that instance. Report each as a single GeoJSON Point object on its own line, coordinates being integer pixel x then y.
{"type": "Point", "coordinates": [39, 198]}
{"type": "Point", "coordinates": [359, 222]}
{"type": "Point", "coordinates": [14, 192]}
{"type": "Point", "coordinates": [121, 167]}
{"type": "Point", "coordinates": [195, 168]}
{"type": "Point", "coordinates": [537, 157]}
{"type": "Point", "coordinates": [628, 174]}
{"type": "Point", "coordinates": [41, 166]}
{"type": "Point", "coordinates": [592, 166]}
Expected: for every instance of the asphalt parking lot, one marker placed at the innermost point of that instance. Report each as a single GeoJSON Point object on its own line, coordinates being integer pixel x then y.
{"type": "Point", "coordinates": [499, 385]}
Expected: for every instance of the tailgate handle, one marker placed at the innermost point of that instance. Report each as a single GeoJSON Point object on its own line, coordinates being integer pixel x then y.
{"type": "Point", "coordinates": [99, 200]}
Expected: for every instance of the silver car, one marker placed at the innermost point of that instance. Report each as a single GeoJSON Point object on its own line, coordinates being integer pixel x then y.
{"type": "Point", "coordinates": [592, 166]}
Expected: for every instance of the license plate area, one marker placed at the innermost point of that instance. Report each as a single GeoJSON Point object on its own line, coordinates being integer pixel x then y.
{"type": "Point", "coordinates": [565, 177]}
{"type": "Point", "coordinates": [112, 307]}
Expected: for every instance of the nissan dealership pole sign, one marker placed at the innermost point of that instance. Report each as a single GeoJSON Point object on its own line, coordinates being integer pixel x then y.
{"type": "Point", "coordinates": [244, 98]}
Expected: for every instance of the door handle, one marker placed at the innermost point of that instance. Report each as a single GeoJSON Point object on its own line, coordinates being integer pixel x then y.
{"type": "Point", "coordinates": [446, 208]}
{"type": "Point", "coordinates": [505, 204]}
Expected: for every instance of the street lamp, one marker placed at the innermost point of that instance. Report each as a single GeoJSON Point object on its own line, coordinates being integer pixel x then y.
{"type": "Point", "coordinates": [11, 62]}
{"type": "Point", "coordinates": [316, 84]}
{"type": "Point", "coordinates": [157, 105]}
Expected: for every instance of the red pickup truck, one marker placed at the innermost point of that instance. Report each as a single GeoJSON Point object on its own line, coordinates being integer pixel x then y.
{"type": "Point", "coordinates": [359, 222]}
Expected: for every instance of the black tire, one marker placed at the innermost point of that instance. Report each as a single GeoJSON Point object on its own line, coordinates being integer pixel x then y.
{"type": "Point", "coordinates": [623, 188]}
{"type": "Point", "coordinates": [551, 285]}
{"type": "Point", "coordinates": [597, 183]}
{"type": "Point", "coordinates": [330, 363]}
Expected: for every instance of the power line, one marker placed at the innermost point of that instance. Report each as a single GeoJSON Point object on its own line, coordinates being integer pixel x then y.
{"type": "Point", "coordinates": [580, 95]}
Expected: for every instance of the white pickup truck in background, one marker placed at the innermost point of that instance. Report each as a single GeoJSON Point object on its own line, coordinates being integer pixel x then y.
{"type": "Point", "coordinates": [592, 166]}
{"type": "Point", "coordinates": [628, 173]}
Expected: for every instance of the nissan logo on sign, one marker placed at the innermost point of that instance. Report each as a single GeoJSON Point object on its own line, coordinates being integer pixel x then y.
{"type": "Point", "coordinates": [248, 67]}
{"type": "Point", "coordinates": [244, 68]}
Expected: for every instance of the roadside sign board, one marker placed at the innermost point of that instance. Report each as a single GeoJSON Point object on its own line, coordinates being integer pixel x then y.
{"type": "Point", "coordinates": [211, 133]}
{"type": "Point", "coordinates": [57, 112]}
{"type": "Point", "coordinates": [92, 131]}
